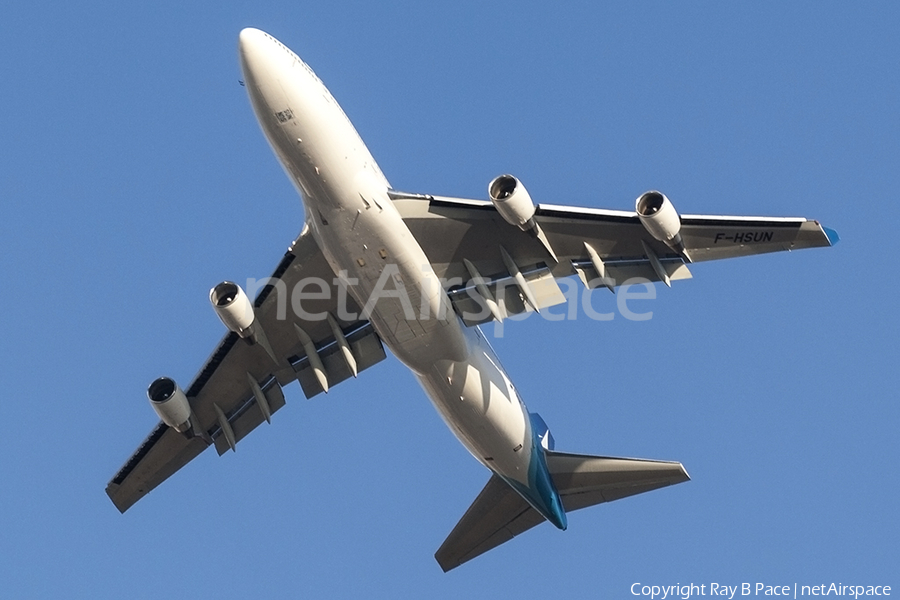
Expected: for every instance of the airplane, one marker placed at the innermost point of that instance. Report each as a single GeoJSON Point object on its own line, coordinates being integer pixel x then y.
{"type": "Point", "coordinates": [418, 273]}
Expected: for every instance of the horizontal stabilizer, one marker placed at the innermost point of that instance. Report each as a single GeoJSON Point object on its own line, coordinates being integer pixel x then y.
{"type": "Point", "coordinates": [584, 480]}
{"type": "Point", "coordinates": [499, 513]}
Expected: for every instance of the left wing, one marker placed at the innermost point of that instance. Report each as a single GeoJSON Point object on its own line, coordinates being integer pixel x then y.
{"type": "Point", "coordinates": [602, 247]}
{"type": "Point", "coordinates": [239, 387]}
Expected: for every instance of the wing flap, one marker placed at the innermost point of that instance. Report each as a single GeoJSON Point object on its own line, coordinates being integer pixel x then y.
{"type": "Point", "coordinates": [249, 416]}
{"type": "Point", "coordinates": [620, 271]}
{"type": "Point", "coordinates": [367, 350]}
{"type": "Point", "coordinates": [472, 307]}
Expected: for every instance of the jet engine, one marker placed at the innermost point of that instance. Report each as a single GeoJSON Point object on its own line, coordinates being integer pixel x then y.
{"type": "Point", "coordinates": [512, 201]}
{"type": "Point", "coordinates": [233, 307]}
{"type": "Point", "coordinates": [170, 404]}
{"type": "Point", "coordinates": [660, 219]}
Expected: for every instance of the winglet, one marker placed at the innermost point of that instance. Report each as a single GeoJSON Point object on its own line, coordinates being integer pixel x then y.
{"type": "Point", "coordinates": [832, 235]}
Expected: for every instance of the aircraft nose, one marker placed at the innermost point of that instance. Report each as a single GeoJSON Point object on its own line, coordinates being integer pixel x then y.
{"type": "Point", "coordinates": [249, 37]}
{"type": "Point", "coordinates": [262, 56]}
{"type": "Point", "coordinates": [254, 48]}
{"type": "Point", "coordinates": [249, 42]}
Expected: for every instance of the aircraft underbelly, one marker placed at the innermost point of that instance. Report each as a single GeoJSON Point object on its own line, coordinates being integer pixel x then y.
{"type": "Point", "coordinates": [367, 243]}
{"type": "Point", "coordinates": [414, 317]}
{"type": "Point", "coordinates": [358, 229]}
{"type": "Point", "coordinates": [479, 404]}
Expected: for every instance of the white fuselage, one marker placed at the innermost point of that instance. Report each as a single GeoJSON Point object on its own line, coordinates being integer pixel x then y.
{"type": "Point", "coordinates": [363, 237]}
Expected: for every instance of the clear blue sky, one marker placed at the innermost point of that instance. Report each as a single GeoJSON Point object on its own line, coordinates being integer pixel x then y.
{"type": "Point", "coordinates": [134, 177]}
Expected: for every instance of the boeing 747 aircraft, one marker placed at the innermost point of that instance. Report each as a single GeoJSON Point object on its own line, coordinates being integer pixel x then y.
{"type": "Point", "coordinates": [375, 267]}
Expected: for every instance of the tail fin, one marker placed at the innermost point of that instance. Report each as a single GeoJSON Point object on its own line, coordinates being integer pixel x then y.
{"type": "Point", "coordinates": [499, 513]}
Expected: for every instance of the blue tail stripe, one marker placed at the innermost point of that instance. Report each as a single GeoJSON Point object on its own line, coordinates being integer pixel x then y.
{"type": "Point", "coordinates": [541, 492]}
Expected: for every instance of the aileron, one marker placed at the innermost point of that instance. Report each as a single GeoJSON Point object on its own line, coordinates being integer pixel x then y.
{"type": "Point", "coordinates": [162, 454]}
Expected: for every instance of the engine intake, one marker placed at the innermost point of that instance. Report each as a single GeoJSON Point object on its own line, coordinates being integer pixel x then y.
{"type": "Point", "coordinates": [170, 404]}
{"type": "Point", "coordinates": [660, 219]}
{"type": "Point", "coordinates": [233, 307]}
{"type": "Point", "coordinates": [512, 201]}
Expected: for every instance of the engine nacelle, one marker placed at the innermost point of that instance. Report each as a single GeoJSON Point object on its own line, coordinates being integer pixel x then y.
{"type": "Point", "coordinates": [170, 404]}
{"type": "Point", "coordinates": [658, 215]}
{"type": "Point", "coordinates": [512, 201]}
{"type": "Point", "coordinates": [661, 220]}
{"type": "Point", "coordinates": [233, 307]}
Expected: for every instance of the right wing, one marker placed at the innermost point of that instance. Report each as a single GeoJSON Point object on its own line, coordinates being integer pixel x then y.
{"type": "Point", "coordinates": [238, 375]}
{"type": "Point", "coordinates": [499, 513]}
{"type": "Point", "coordinates": [456, 231]}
